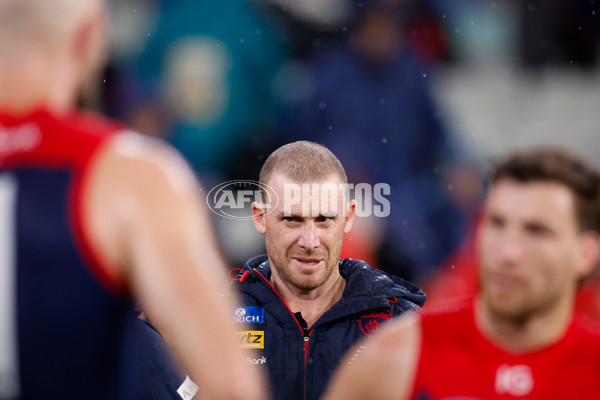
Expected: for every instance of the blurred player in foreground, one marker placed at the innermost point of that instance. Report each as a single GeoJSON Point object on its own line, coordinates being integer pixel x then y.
{"type": "Point", "coordinates": [88, 215]}
{"type": "Point", "coordinates": [519, 338]}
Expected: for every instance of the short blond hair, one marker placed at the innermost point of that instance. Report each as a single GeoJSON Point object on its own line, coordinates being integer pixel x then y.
{"type": "Point", "coordinates": [303, 162]}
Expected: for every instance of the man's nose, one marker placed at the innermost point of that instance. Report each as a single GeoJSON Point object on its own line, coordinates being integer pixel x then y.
{"type": "Point", "coordinates": [510, 248]}
{"type": "Point", "coordinates": [309, 237]}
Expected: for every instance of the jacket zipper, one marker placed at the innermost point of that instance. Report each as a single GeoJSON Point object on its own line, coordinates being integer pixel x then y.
{"type": "Point", "coordinates": [305, 334]}
{"type": "Point", "coordinates": [306, 344]}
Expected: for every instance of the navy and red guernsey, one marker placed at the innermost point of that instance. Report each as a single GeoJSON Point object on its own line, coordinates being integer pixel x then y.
{"type": "Point", "coordinates": [66, 327]}
{"type": "Point", "coordinates": [458, 362]}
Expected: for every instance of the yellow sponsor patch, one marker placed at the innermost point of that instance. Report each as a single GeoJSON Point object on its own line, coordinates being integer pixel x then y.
{"type": "Point", "coordinates": [252, 339]}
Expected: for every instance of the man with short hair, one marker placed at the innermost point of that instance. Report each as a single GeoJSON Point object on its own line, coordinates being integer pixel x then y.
{"type": "Point", "coordinates": [519, 338]}
{"type": "Point", "coordinates": [303, 306]}
{"type": "Point", "coordinates": [89, 215]}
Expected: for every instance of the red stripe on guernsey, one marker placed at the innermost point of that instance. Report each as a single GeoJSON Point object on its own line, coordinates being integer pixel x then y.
{"type": "Point", "coordinates": [105, 273]}
{"type": "Point", "coordinates": [42, 139]}
{"type": "Point", "coordinates": [70, 141]}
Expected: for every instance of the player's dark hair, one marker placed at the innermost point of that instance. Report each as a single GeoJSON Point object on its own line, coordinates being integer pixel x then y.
{"type": "Point", "coordinates": [560, 166]}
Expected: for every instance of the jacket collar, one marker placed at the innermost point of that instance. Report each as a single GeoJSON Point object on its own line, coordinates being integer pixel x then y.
{"type": "Point", "coordinates": [366, 287]}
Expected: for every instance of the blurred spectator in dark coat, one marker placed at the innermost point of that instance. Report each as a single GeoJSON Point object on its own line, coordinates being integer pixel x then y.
{"type": "Point", "coordinates": [370, 104]}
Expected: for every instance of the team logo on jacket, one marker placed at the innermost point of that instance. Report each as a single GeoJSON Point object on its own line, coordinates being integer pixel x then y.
{"type": "Point", "coordinates": [252, 339]}
{"type": "Point", "coordinates": [248, 315]}
{"type": "Point", "coordinates": [370, 321]}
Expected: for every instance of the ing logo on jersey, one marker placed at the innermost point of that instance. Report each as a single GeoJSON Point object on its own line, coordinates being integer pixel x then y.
{"type": "Point", "coordinates": [252, 339]}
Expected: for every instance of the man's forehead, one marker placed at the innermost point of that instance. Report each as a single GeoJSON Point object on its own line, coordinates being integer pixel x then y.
{"type": "Point", "coordinates": [309, 199]}
{"type": "Point", "coordinates": [537, 198]}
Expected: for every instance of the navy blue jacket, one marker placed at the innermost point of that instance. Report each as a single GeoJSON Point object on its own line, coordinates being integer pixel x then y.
{"type": "Point", "coordinates": [300, 361]}
{"type": "Point", "coordinates": [161, 374]}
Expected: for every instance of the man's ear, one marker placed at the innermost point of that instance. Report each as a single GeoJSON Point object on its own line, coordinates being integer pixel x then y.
{"type": "Point", "coordinates": [349, 217]}
{"type": "Point", "coordinates": [90, 46]}
{"type": "Point", "coordinates": [590, 254]}
{"type": "Point", "coordinates": [258, 217]}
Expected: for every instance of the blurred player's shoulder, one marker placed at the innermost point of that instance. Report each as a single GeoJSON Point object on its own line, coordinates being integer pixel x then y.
{"type": "Point", "coordinates": [125, 145]}
{"type": "Point", "coordinates": [151, 157]}
{"type": "Point", "coordinates": [46, 139]}
{"type": "Point", "coordinates": [403, 329]}
{"type": "Point", "coordinates": [390, 357]}
{"type": "Point", "coordinates": [84, 139]}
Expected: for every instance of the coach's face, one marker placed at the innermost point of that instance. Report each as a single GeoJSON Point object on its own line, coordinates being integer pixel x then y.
{"type": "Point", "coordinates": [304, 231]}
{"type": "Point", "coordinates": [531, 251]}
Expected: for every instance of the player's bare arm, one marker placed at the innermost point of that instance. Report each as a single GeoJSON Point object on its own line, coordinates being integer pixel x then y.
{"type": "Point", "coordinates": [145, 213]}
{"type": "Point", "coordinates": [382, 367]}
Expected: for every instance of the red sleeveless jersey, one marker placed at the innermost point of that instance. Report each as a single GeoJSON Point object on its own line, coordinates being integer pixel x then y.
{"type": "Point", "coordinates": [64, 333]}
{"type": "Point", "coordinates": [458, 362]}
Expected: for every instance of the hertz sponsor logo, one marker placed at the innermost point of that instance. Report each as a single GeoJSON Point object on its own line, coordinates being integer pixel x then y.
{"type": "Point", "coordinates": [252, 339]}
{"type": "Point", "coordinates": [248, 315]}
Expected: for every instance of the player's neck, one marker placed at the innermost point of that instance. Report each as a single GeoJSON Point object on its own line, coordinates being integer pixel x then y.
{"type": "Point", "coordinates": [30, 84]}
{"type": "Point", "coordinates": [519, 335]}
{"type": "Point", "coordinates": [311, 303]}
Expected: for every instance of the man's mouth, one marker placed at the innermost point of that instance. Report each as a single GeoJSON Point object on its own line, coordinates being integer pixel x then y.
{"type": "Point", "coordinates": [308, 261]}
{"type": "Point", "coordinates": [504, 283]}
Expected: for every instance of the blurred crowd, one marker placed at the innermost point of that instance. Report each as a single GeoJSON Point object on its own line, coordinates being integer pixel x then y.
{"type": "Point", "coordinates": [228, 82]}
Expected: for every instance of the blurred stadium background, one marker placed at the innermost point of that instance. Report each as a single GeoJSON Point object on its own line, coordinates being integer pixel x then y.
{"type": "Point", "coordinates": [420, 94]}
